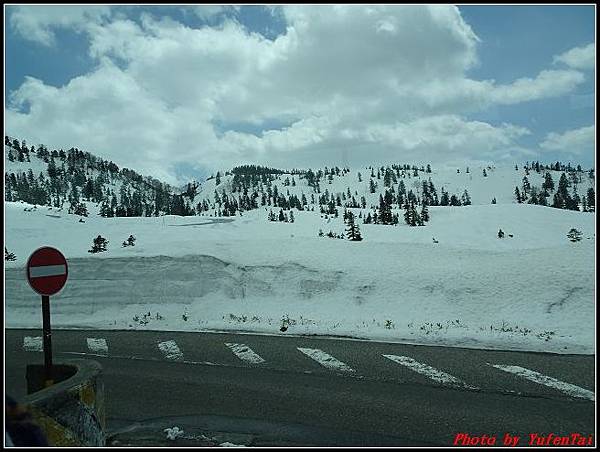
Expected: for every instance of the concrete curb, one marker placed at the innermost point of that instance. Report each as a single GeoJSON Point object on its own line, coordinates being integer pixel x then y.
{"type": "Point", "coordinates": [72, 412]}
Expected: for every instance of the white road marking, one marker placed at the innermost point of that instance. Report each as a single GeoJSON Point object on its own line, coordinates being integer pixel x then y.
{"type": "Point", "coordinates": [428, 371]}
{"type": "Point", "coordinates": [47, 270]}
{"type": "Point", "coordinates": [568, 388]}
{"type": "Point", "coordinates": [97, 345]}
{"type": "Point", "coordinates": [245, 353]}
{"type": "Point", "coordinates": [325, 359]}
{"type": "Point", "coordinates": [33, 344]}
{"type": "Point", "coordinates": [171, 350]}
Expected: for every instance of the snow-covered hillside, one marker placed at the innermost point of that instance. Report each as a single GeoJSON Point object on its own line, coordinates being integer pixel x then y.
{"type": "Point", "coordinates": [532, 291]}
{"type": "Point", "coordinates": [498, 183]}
{"type": "Point", "coordinates": [224, 266]}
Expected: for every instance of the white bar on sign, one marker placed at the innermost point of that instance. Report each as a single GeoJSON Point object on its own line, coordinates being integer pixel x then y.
{"type": "Point", "coordinates": [47, 270]}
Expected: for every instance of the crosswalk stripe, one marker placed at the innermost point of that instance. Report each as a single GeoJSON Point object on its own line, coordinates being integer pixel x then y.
{"type": "Point", "coordinates": [97, 345]}
{"type": "Point", "coordinates": [245, 353]}
{"type": "Point", "coordinates": [326, 360]}
{"type": "Point", "coordinates": [428, 371]}
{"type": "Point", "coordinates": [170, 350]}
{"type": "Point", "coordinates": [536, 377]}
{"type": "Point", "coordinates": [33, 344]}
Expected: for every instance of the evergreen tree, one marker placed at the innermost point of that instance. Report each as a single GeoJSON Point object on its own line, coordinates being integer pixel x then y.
{"type": "Point", "coordinates": [526, 185]}
{"type": "Point", "coordinates": [518, 195]}
{"type": "Point", "coordinates": [574, 235]}
{"type": "Point", "coordinates": [558, 201]}
{"type": "Point", "coordinates": [445, 199]}
{"type": "Point", "coordinates": [99, 245]}
{"type": "Point", "coordinates": [8, 256]}
{"type": "Point", "coordinates": [105, 210]}
{"type": "Point", "coordinates": [130, 241]}
{"type": "Point", "coordinates": [466, 199]}
{"type": "Point", "coordinates": [385, 208]}
{"type": "Point", "coordinates": [352, 229]}
{"type": "Point", "coordinates": [591, 199]}
{"type": "Point", "coordinates": [548, 183]}
{"type": "Point", "coordinates": [425, 213]}
{"type": "Point", "coordinates": [372, 186]}
{"type": "Point", "coordinates": [454, 201]}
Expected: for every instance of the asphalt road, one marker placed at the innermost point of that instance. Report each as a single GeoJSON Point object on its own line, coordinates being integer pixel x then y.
{"type": "Point", "coordinates": [271, 390]}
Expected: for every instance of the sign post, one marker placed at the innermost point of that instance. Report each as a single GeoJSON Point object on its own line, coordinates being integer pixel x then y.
{"type": "Point", "coordinates": [47, 273]}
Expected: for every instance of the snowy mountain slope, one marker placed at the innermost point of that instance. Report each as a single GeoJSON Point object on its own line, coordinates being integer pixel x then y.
{"type": "Point", "coordinates": [534, 291]}
{"type": "Point", "coordinates": [499, 183]}
{"type": "Point", "coordinates": [452, 281]}
{"type": "Point", "coordinates": [73, 178]}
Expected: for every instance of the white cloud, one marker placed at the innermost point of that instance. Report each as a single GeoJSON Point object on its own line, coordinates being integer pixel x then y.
{"type": "Point", "coordinates": [381, 82]}
{"type": "Point", "coordinates": [37, 23]}
{"type": "Point", "coordinates": [548, 83]}
{"type": "Point", "coordinates": [575, 141]}
{"type": "Point", "coordinates": [579, 57]}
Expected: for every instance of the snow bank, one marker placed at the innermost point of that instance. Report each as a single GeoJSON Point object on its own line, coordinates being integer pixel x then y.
{"type": "Point", "coordinates": [534, 291]}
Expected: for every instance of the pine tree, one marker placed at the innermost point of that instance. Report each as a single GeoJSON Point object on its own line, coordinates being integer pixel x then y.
{"type": "Point", "coordinates": [574, 235]}
{"type": "Point", "coordinates": [9, 256]}
{"type": "Point", "coordinates": [445, 200]}
{"type": "Point", "coordinates": [130, 241]}
{"type": "Point", "coordinates": [352, 230]}
{"type": "Point", "coordinates": [526, 185]}
{"type": "Point", "coordinates": [99, 245]}
{"type": "Point", "coordinates": [372, 186]}
{"type": "Point", "coordinates": [385, 208]}
{"type": "Point", "coordinates": [424, 213]}
{"type": "Point", "coordinates": [518, 195]}
{"type": "Point", "coordinates": [466, 199]}
{"type": "Point", "coordinates": [408, 214]}
{"type": "Point", "coordinates": [591, 199]}
{"type": "Point", "coordinates": [548, 183]}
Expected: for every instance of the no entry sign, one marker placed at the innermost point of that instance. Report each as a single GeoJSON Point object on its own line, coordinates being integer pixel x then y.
{"type": "Point", "coordinates": [47, 271]}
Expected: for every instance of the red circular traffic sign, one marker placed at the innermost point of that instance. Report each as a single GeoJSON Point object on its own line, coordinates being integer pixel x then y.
{"type": "Point", "coordinates": [47, 270]}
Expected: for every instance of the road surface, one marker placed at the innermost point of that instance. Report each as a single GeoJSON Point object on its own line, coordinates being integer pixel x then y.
{"type": "Point", "coordinates": [273, 390]}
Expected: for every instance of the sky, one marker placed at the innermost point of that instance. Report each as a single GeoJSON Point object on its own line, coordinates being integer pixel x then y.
{"type": "Point", "coordinates": [179, 92]}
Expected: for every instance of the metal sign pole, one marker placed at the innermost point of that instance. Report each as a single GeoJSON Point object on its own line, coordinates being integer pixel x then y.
{"type": "Point", "coordinates": [47, 340]}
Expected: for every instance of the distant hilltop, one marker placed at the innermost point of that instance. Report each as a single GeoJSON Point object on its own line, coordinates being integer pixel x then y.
{"type": "Point", "coordinates": [86, 184]}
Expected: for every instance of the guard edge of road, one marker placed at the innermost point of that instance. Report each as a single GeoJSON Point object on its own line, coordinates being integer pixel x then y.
{"type": "Point", "coordinates": [72, 412]}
